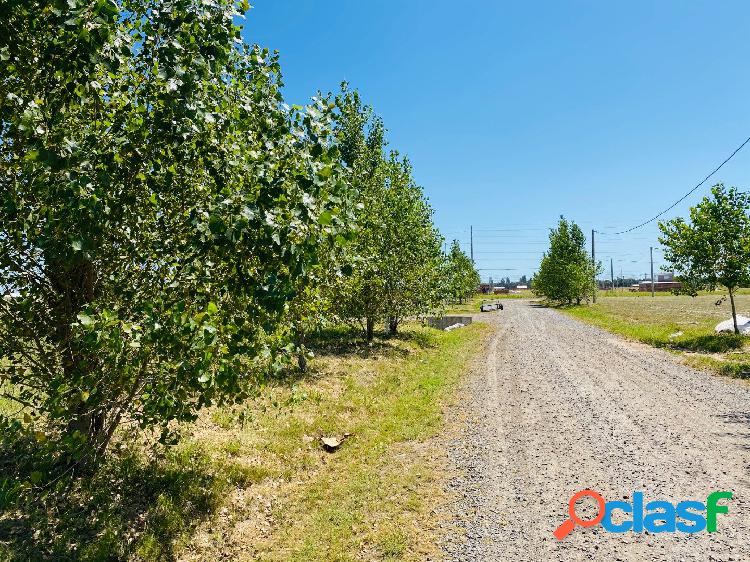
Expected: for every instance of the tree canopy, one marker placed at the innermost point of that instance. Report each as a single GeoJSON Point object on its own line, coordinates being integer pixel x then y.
{"type": "Point", "coordinates": [170, 229]}
{"type": "Point", "coordinates": [566, 273]}
{"type": "Point", "coordinates": [713, 248]}
{"type": "Point", "coordinates": [159, 206]}
{"type": "Point", "coordinates": [462, 277]}
{"type": "Point", "coordinates": [397, 258]}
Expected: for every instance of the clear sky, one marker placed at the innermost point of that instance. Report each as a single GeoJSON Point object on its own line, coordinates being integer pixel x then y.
{"type": "Point", "coordinates": [516, 112]}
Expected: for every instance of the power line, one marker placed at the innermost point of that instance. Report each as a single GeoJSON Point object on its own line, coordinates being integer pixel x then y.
{"type": "Point", "coordinates": [681, 199]}
{"type": "Point", "coordinates": [496, 232]}
{"type": "Point", "coordinates": [512, 228]}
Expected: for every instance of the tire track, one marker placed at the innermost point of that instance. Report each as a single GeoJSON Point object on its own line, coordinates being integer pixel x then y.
{"type": "Point", "coordinates": [561, 406]}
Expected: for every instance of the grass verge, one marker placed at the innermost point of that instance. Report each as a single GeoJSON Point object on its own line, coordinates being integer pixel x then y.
{"type": "Point", "coordinates": [252, 482]}
{"type": "Point", "coordinates": [373, 498]}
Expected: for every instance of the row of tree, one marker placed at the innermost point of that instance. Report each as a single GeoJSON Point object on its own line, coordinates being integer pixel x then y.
{"type": "Point", "coordinates": [169, 227]}
{"type": "Point", "coordinates": [508, 284]}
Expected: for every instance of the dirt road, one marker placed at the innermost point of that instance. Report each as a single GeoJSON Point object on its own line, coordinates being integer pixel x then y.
{"type": "Point", "coordinates": [558, 407]}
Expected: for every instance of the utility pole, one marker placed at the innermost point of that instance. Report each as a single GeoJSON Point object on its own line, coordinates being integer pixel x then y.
{"type": "Point", "coordinates": [471, 234]}
{"type": "Point", "coordinates": [612, 272]}
{"type": "Point", "coordinates": [593, 262]}
{"type": "Point", "coordinates": [652, 271]}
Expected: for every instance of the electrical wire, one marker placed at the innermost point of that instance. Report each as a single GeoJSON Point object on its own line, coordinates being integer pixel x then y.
{"type": "Point", "coordinates": [681, 199]}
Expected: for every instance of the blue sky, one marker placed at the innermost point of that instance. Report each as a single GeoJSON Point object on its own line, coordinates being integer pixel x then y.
{"type": "Point", "coordinates": [515, 113]}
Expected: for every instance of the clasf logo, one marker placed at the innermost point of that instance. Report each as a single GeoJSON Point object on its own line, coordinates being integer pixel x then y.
{"type": "Point", "coordinates": [656, 517]}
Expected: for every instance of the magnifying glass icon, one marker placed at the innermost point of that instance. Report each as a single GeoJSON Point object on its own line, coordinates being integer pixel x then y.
{"type": "Point", "coordinates": [569, 524]}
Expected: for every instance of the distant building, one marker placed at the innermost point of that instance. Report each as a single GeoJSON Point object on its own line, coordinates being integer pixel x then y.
{"type": "Point", "coordinates": [522, 287]}
{"type": "Point", "coordinates": [659, 286]}
{"type": "Point", "coordinates": [500, 290]}
{"type": "Point", "coordinates": [665, 277]}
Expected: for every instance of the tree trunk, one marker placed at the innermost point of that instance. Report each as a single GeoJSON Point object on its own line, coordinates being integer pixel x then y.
{"type": "Point", "coordinates": [370, 329]}
{"type": "Point", "coordinates": [301, 355]}
{"type": "Point", "coordinates": [74, 287]}
{"type": "Point", "coordinates": [393, 325]}
{"type": "Point", "coordinates": [734, 312]}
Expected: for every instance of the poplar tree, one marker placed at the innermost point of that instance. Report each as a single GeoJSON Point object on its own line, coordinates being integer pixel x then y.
{"type": "Point", "coordinates": [160, 207]}
{"type": "Point", "coordinates": [396, 256]}
{"type": "Point", "coordinates": [462, 277]}
{"type": "Point", "coordinates": [566, 273]}
{"type": "Point", "coordinates": [713, 248]}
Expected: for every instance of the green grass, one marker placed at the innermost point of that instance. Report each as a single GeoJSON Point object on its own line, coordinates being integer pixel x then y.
{"type": "Point", "coordinates": [736, 366]}
{"type": "Point", "coordinates": [251, 482]}
{"type": "Point", "coordinates": [374, 497]}
{"type": "Point", "coordinates": [134, 507]}
{"type": "Point", "coordinates": [619, 292]}
{"type": "Point", "coordinates": [8, 407]}
{"type": "Point", "coordinates": [679, 323]}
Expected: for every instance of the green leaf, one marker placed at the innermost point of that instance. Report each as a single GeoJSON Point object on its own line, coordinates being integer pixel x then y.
{"type": "Point", "coordinates": [85, 320]}
{"type": "Point", "coordinates": [326, 218]}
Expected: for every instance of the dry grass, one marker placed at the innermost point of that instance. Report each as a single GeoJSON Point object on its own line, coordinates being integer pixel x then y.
{"type": "Point", "coordinates": [252, 482]}
{"type": "Point", "coordinates": [374, 498]}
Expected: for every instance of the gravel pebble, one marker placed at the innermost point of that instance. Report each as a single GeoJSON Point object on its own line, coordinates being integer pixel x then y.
{"type": "Point", "coordinates": [559, 406]}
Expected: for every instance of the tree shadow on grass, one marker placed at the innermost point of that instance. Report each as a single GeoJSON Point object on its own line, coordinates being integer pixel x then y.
{"type": "Point", "coordinates": [130, 506]}
{"type": "Point", "coordinates": [347, 342]}
{"type": "Point", "coordinates": [344, 341]}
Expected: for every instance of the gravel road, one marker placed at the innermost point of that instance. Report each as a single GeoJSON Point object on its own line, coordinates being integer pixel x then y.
{"type": "Point", "coordinates": [558, 406]}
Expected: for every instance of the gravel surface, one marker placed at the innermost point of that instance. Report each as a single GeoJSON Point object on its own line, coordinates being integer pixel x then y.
{"type": "Point", "coordinates": [558, 406]}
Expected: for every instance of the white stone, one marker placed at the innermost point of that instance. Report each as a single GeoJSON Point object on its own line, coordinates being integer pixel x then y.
{"type": "Point", "coordinates": [743, 323]}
